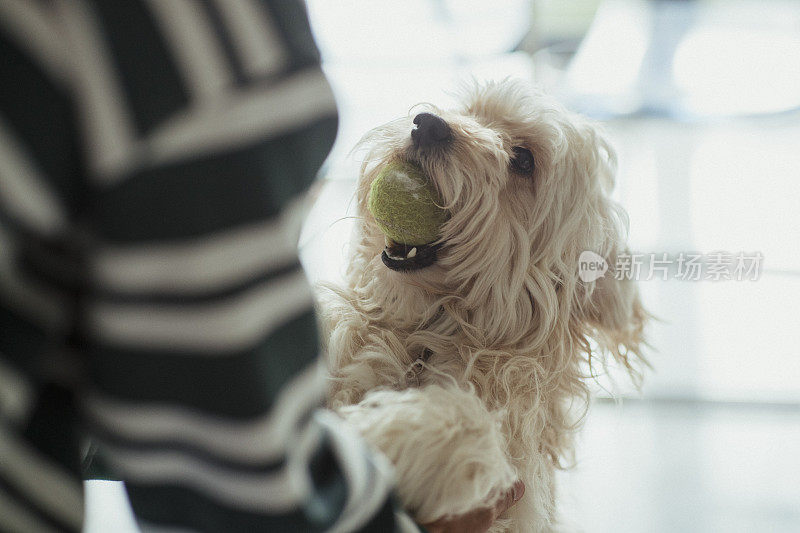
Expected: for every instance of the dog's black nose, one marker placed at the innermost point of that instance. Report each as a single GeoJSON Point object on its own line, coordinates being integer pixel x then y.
{"type": "Point", "coordinates": [430, 130]}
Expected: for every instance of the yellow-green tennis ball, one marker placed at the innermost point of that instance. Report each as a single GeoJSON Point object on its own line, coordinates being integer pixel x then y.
{"type": "Point", "coordinates": [405, 205]}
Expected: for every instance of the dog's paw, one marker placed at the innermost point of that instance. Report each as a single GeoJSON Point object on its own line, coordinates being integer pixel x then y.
{"type": "Point", "coordinates": [448, 450]}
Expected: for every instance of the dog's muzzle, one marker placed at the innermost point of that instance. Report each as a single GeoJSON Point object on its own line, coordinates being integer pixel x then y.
{"type": "Point", "coordinates": [430, 131]}
{"type": "Point", "coordinates": [405, 258]}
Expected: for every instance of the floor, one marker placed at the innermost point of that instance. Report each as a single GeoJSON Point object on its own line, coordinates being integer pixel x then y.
{"type": "Point", "coordinates": [686, 467]}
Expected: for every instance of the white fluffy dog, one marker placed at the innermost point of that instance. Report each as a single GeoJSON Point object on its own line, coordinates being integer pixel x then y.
{"type": "Point", "coordinates": [466, 361]}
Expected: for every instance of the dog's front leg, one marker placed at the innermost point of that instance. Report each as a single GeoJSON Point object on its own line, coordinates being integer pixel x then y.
{"type": "Point", "coordinates": [448, 450]}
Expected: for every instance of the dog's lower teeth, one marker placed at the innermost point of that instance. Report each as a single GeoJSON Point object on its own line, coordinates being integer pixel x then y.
{"type": "Point", "coordinates": [405, 258]}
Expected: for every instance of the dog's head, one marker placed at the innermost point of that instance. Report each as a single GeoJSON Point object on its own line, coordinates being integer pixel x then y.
{"type": "Point", "coordinates": [526, 186]}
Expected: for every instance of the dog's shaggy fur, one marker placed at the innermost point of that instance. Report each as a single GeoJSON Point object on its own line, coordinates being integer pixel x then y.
{"type": "Point", "coordinates": [512, 332]}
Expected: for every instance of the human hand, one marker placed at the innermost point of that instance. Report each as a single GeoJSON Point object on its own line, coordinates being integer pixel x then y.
{"type": "Point", "coordinates": [479, 520]}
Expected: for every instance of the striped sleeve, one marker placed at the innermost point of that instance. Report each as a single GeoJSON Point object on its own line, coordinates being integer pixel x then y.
{"type": "Point", "coordinates": [151, 153]}
{"type": "Point", "coordinates": [40, 488]}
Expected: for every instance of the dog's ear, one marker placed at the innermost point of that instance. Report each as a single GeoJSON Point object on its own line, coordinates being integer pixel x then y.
{"type": "Point", "coordinates": [608, 310]}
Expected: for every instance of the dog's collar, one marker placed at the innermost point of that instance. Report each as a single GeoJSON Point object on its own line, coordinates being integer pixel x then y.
{"type": "Point", "coordinates": [415, 369]}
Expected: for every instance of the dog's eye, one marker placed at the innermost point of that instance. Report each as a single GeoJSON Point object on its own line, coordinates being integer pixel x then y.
{"type": "Point", "coordinates": [522, 161]}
